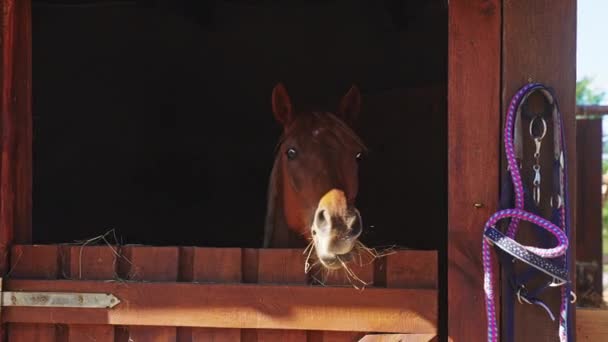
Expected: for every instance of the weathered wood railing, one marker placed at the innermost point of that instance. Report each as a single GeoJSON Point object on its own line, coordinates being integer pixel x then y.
{"type": "Point", "coordinates": [225, 293]}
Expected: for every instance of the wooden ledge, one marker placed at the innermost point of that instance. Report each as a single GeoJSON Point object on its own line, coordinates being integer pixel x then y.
{"type": "Point", "coordinates": [238, 306]}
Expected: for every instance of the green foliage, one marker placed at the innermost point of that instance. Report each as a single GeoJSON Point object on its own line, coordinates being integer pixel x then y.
{"type": "Point", "coordinates": [587, 96]}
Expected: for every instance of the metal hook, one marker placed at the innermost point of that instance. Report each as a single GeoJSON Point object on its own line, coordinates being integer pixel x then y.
{"type": "Point", "coordinates": [559, 201]}
{"type": "Point", "coordinates": [554, 283]}
{"type": "Point", "coordinates": [520, 298]}
{"type": "Point", "coordinates": [573, 295]}
{"type": "Point", "coordinates": [544, 130]}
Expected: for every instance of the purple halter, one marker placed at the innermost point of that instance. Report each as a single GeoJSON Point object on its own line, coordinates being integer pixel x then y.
{"type": "Point", "coordinates": [517, 205]}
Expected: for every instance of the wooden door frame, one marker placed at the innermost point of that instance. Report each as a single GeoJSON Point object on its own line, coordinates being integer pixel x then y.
{"type": "Point", "coordinates": [484, 37]}
{"type": "Point", "coordinates": [495, 47]}
{"type": "Point", "coordinates": [16, 126]}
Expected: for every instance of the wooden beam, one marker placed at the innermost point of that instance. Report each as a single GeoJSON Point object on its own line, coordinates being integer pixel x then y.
{"type": "Point", "coordinates": [589, 208]}
{"type": "Point", "coordinates": [539, 45]}
{"type": "Point", "coordinates": [590, 110]}
{"type": "Point", "coordinates": [173, 304]}
{"type": "Point", "coordinates": [15, 125]}
{"type": "Point", "coordinates": [473, 157]}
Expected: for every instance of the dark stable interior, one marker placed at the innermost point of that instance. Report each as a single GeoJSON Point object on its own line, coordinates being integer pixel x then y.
{"type": "Point", "coordinates": [153, 118]}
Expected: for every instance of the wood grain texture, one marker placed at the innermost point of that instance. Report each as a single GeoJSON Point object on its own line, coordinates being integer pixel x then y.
{"type": "Point", "coordinates": [399, 338]}
{"type": "Point", "coordinates": [281, 266]}
{"type": "Point", "coordinates": [150, 264]}
{"type": "Point", "coordinates": [152, 334]}
{"type": "Point", "coordinates": [539, 44]}
{"type": "Point", "coordinates": [15, 126]}
{"type": "Point", "coordinates": [210, 265]}
{"type": "Point", "coordinates": [334, 336]}
{"type": "Point", "coordinates": [92, 333]}
{"type": "Point", "coordinates": [32, 332]}
{"type": "Point", "coordinates": [239, 306]}
{"type": "Point", "coordinates": [412, 269]}
{"type": "Point", "coordinates": [591, 325]}
{"type": "Point", "coordinates": [473, 158]}
{"type": "Point", "coordinates": [88, 263]}
{"type": "Point", "coordinates": [35, 262]}
{"type": "Point", "coordinates": [589, 202]}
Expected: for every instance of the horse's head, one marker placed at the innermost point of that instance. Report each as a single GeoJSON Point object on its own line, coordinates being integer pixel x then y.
{"type": "Point", "coordinates": [317, 163]}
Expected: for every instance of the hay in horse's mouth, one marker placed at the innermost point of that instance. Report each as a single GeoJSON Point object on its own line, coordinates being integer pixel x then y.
{"type": "Point", "coordinates": [342, 262]}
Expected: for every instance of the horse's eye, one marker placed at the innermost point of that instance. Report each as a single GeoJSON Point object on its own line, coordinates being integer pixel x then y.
{"type": "Point", "coordinates": [291, 153]}
{"type": "Point", "coordinates": [359, 156]}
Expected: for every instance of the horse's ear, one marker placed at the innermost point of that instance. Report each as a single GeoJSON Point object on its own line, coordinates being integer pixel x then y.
{"type": "Point", "coordinates": [350, 106]}
{"type": "Point", "coordinates": [281, 104]}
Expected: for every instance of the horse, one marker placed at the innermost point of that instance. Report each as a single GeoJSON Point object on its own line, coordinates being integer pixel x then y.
{"type": "Point", "coordinates": [314, 180]}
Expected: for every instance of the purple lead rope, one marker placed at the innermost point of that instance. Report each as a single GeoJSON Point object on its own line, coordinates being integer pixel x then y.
{"type": "Point", "coordinates": [516, 215]}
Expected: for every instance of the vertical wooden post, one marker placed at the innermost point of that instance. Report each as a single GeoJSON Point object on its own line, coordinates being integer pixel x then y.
{"type": "Point", "coordinates": [15, 126]}
{"type": "Point", "coordinates": [539, 44]}
{"type": "Point", "coordinates": [589, 203]}
{"type": "Point", "coordinates": [473, 156]}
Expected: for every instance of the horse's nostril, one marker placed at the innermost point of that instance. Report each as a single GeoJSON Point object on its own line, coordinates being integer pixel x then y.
{"type": "Point", "coordinates": [321, 218]}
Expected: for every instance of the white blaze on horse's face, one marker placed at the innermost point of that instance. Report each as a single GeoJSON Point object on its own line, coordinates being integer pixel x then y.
{"type": "Point", "coordinates": [335, 229]}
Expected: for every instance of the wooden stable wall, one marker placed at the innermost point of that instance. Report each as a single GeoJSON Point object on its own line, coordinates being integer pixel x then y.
{"type": "Point", "coordinates": [220, 294]}
{"type": "Point", "coordinates": [495, 48]}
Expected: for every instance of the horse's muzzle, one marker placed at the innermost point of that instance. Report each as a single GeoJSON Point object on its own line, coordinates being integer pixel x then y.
{"type": "Point", "coordinates": [335, 229]}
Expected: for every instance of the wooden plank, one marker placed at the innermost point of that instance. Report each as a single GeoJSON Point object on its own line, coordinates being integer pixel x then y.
{"type": "Point", "coordinates": [589, 205]}
{"type": "Point", "coordinates": [473, 158]}
{"type": "Point", "coordinates": [150, 264]}
{"type": "Point", "coordinates": [412, 269]}
{"type": "Point", "coordinates": [334, 336]}
{"type": "Point", "coordinates": [219, 265]}
{"type": "Point", "coordinates": [89, 262]}
{"type": "Point", "coordinates": [591, 110]}
{"type": "Point", "coordinates": [539, 44]}
{"type": "Point", "coordinates": [591, 325]}
{"type": "Point", "coordinates": [15, 126]}
{"type": "Point", "coordinates": [31, 332]}
{"type": "Point", "coordinates": [215, 265]}
{"type": "Point", "coordinates": [35, 262]}
{"type": "Point", "coordinates": [239, 306]}
{"type": "Point", "coordinates": [281, 266]}
{"type": "Point", "coordinates": [152, 334]}
{"type": "Point", "coordinates": [282, 335]}
{"type": "Point", "coordinates": [208, 334]}
{"type": "Point", "coordinates": [398, 338]}
{"type": "Point", "coordinates": [85, 332]}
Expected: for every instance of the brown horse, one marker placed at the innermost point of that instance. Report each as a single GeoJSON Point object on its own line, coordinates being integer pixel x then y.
{"type": "Point", "coordinates": [314, 180]}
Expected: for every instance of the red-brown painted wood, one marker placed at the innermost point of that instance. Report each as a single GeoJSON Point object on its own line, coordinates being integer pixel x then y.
{"type": "Point", "coordinates": [35, 262]}
{"type": "Point", "coordinates": [18, 332]}
{"type": "Point", "coordinates": [150, 264]}
{"type": "Point", "coordinates": [89, 262]}
{"type": "Point", "coordinates": [589, 204]}
{"type": "Point", "coordinates": [539, 44]}
{"type": "Point", "coordinates": [210, 265]}
{"type": "Point", "coordinates": [412, 269]}
{"type": "Point", "coordinates": [15, 126]}
{"type": "Point", "coordinates": [281, 266]}
{"type": "Point", "coordinates": [473, 156]}
{"type": "Point", "coordinates": [84, 333]}
{"type": "Point", "coordinates": [238, 306]}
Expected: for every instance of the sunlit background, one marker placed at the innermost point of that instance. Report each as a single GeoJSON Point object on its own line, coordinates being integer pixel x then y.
{"type": "Point", "coordinates": [592, 81]}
